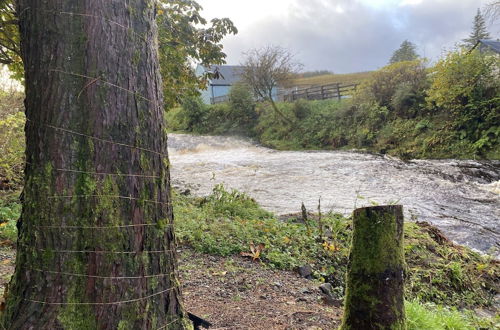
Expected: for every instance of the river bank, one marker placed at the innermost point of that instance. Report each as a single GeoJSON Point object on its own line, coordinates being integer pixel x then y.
{"type": "Point", "coordinates": [459, 197]}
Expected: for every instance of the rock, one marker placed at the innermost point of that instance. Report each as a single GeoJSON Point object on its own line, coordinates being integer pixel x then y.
{"type": "Point", "coordinates": [277, 284]}
{"type": "Point", "coordinates": [326, 288]}
{"type": "Point", "coordinates": [305, 291]}
{"type": "Point", "coordinates": [305, 271]}
{"type": "Point", "coordinates": [330, 301]}
{"type": "Point", "coordinates": [327, 293]}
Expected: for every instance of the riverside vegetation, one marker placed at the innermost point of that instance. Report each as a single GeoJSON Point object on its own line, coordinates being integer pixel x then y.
{"type": "Point", "coordinates": [451, 110]}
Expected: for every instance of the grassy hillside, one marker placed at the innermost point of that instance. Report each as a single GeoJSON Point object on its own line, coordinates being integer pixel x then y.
{"type": "Point", "coordinates": [356, 77]}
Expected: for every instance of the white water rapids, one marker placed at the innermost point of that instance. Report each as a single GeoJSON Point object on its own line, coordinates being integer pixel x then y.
{"type": "Point", "coordinates": [461, 197]}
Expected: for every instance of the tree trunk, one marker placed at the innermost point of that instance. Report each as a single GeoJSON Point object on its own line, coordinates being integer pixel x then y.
{"type": "Point", "coordinates": [374, 296]}
{"type": "Point", "coordinates": [96, 244]}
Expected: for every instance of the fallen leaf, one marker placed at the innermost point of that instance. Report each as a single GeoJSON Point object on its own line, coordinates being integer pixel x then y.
{"type": "Point", "coordinates": [255, 251]}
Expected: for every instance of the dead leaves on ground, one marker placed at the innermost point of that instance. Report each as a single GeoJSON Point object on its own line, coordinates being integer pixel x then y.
{"type": "Point", "coordinates": [255, 251]}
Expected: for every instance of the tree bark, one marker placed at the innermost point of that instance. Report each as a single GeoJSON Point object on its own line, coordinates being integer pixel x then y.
{"type": "Point", "coordinates": [374, 296]}
{"type": "Point", "coordinates": [96, 246]}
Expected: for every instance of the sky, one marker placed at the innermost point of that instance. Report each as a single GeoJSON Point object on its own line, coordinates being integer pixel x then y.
{"type": "Point", "coordinates": [346, 35]}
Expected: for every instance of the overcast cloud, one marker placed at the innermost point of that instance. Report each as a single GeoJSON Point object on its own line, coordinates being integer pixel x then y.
{"type": "Point", "coordinates": [346, 35]}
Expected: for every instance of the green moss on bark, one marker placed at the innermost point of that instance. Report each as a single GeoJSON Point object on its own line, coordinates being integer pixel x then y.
{"type": "Point", "coordinates": [374, 295]}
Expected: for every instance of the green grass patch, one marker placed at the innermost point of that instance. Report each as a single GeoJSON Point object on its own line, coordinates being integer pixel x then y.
{"type": "Point", "coordinates": [428, 316]}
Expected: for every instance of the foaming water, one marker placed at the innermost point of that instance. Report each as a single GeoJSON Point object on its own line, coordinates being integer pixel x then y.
{"type": "Point", "coordinates": [460, 197]}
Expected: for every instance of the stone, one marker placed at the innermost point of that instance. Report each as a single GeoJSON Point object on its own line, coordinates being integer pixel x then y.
{"type": "Point", "coordinates": [326, 288]}
{"type": "Point", "coordinates": [305, 271]}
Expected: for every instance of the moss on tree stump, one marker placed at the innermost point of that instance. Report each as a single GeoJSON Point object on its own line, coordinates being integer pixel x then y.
{"type": "Point", "coordinates": [374, 296]}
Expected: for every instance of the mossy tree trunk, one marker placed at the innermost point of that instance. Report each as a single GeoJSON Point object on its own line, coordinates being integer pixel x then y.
{"type": "Point", "coordinates": [96, 244]}
{"type": "Point", "coordinates": [374, 296]}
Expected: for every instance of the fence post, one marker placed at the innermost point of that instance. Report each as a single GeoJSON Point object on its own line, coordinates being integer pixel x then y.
{"type": "Point", "coordinates": [338, 91]}
{"type": "Point", "coordinates": [374, 295]}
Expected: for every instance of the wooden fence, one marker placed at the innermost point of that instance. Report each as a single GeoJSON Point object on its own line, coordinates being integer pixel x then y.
{"type": "Point", "coordinates": [324, 92]}
{"type": "Point", "coordinates": [330, 91]}
{"type": "Point", "coordinates": [219, 99]}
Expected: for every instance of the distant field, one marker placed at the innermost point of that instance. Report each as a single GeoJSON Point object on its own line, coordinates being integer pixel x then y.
{"type": "Point", "coordinates": [332, 78]}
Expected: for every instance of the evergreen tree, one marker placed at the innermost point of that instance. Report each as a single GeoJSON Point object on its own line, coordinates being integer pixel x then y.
{"type": "Point", "coordinates": [478, 30]}
{"type": "Point", "coordinates": [406, 52]}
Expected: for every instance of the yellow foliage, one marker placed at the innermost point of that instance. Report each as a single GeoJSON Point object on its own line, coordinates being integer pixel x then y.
{"type": "Point", "coordinates": [12, 145]}
{"type": "Point", "coordinates": [462, 76]}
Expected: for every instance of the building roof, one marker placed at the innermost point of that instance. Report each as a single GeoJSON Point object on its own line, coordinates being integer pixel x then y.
{"type": "Point", "coordinates": [229, 74]}
{"type": "Point", "coordinates": [488, 44]}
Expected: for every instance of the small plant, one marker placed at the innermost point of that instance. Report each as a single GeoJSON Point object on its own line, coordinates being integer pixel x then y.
{"type": "Point", "coordinates": [10, 211]}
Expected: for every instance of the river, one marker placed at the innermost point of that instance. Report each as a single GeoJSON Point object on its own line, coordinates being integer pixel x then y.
{"type": "Point", "coordinates": [461, 197]}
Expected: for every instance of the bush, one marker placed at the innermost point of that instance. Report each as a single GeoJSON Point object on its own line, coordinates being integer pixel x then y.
{"type": "Point", "coordinates": [12, 140]}
{"type": "Point", "coordinates": [400, 87]}
{"type": "Point", "coordinates": [463, 78]}
{"type": "Point", "coordinates": [242, 107]}
{"type": "Point", "coordinates": [193, 114]}
{"type": "Point", "coordinates": [301, 109]}
{"type": "Point", "coordinates": [465, 85]}
{"type": "Point", "coordinates": [10, 211]}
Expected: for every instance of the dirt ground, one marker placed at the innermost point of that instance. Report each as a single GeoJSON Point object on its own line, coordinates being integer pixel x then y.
{"type": "Point", "coordinates": [236, 293]}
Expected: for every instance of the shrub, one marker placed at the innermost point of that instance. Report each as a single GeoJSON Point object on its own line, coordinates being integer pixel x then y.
{"type": "Point", "coordinates": [12, 140]}
{"type": "Point", "coordinates": [10, 211]}
{"type": "Point", "coordinates": [193, 114]}
{"type": "Point", "coordinates": [465, 84]}
{"type": "Point", "coordinates": [242, 107]}
{"type": "Point", "coordinates": [175, 119]}
{"type": "Point", "coordinates": [301, 109]}
{"type": "Point", "coordinates": [398, 86]}
{"type": "Point", "coordinates": [464, 77]}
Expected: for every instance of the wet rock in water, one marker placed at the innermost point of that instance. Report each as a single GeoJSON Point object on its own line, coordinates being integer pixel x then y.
{"type": "Point", "coordinates": [305, 271]}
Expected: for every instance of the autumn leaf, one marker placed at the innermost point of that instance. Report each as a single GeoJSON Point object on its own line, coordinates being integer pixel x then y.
{"type": "Point", "coordinates": [330, 247]}
{"type": "Point", "coordinates": [255, 251]}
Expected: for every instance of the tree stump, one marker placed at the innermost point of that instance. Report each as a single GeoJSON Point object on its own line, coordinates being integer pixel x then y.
{"type": "Point", "coordinates": [374, 296]}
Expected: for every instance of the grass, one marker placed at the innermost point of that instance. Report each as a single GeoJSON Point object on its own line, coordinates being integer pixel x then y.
{"type": "Point", "coordinates": [357, 77]}
{"type": "Point", "coordinates": [428, 316]}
